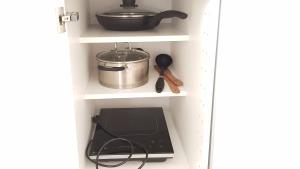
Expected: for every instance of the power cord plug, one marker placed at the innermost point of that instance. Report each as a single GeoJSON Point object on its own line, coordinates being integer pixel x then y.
{"type": "Point", "coordinates": [96, 119]}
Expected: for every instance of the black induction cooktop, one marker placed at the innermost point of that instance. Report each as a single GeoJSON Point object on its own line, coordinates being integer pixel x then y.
{"type": "Point", "coordinates": [147, 126]}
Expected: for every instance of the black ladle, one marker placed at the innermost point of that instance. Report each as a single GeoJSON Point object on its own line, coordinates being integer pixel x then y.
{"type": "Point", "coordinates": [163, 61]}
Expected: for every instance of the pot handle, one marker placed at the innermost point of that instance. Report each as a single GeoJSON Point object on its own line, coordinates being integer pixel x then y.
{"type": "Point", "coordinates": [166, 14]}
{"type": "Point", "coordinates": [112, 69]}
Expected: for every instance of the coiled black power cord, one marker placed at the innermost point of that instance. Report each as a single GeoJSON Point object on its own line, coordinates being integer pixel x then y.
{"type": "Point", "coordinates": [131, 143]}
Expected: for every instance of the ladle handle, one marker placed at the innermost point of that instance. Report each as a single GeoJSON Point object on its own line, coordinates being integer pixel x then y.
{"type": "Point", "coordinates": [174, 88]}
{"type": "Point", "coordinates": [160, 84]}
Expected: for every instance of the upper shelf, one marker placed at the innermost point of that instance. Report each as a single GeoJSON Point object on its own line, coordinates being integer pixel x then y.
{"type": "Point", "coordinates": [165, 32]}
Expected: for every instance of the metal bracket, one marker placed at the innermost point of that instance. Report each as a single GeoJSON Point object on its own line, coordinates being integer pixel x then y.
{"type": "Point", "coordinates": [63, 18]}
{"type": "Point", "coordinates": [70, 17]}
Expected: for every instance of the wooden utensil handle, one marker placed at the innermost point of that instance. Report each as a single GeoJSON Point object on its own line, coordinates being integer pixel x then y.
{"type": "Point", "coordinates": [172, 86]}
{"type": "Point", "coordinates": [168, 73]}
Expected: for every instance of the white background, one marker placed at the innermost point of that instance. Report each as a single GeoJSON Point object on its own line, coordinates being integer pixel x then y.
{"type": "Point", "coordinates": [257, 104]}
{"type": "Point", "coordinates": [257, 92]}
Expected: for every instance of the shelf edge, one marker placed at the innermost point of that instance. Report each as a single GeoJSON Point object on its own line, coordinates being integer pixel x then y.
{"type": "Point", "coordinates": [171, 38]}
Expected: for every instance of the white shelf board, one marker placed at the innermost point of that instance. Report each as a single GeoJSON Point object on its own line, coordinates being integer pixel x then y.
{"type": "Point", "coordinates": [95, 90]}
{"type": "Point", "coordinates": [164, 32]}
{"type": "Point", "coordinates": [178, 162]}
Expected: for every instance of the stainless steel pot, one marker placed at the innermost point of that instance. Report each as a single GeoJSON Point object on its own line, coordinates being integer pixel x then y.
{"type": "Point", "coordinates": [123, 69]}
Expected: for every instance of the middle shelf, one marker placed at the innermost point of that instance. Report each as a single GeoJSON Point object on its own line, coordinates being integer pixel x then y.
{"type": "Point", "coordinates": [96, 91]}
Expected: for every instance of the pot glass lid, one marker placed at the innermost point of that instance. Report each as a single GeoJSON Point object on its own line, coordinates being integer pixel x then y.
{"type": "Point", "coordinates": [130, 55]}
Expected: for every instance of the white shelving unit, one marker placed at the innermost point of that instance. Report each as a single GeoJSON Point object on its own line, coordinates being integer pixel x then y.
{"type": "Point", "coordinates": [165, 32]}
{"type": "Point", "coordinates": [190, 42]}
{"type": "Point", "coordinates": [178, 162]}
{"type": "Point", "coordinates": [96, 91]}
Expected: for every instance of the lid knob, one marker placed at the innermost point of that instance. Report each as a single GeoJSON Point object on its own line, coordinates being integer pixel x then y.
{"type": "Point", "coordinates": [128, 3]}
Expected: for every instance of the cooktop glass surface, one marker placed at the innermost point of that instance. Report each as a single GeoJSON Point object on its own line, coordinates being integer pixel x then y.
{"type": "Point", "coordinates": [146, 126]}
{"type": "Point", "coordinates": [131, 123]}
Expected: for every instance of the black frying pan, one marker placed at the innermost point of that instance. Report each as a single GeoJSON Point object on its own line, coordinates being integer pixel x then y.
{"type": "Point", "coordinates": [131, 19]}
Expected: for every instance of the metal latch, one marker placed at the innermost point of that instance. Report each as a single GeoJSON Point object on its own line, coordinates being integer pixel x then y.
{"type": "Point", "coordinates": [63, 18]}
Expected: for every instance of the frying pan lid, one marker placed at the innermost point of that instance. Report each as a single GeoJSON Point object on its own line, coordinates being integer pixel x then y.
{"type": "Point", "coordinates": [127, 12]}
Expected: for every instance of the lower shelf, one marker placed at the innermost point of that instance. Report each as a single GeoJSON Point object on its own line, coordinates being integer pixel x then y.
{"type": "Point", "coordinates": [96, 91]}
{"type": "Point", "coordinates": [178, 162]}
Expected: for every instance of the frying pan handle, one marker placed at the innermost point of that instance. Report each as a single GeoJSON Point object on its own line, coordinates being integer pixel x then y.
{"type": "Point", "coordinates": [112, 69]}
{"type": "Point", "coordinates": [166, 14]}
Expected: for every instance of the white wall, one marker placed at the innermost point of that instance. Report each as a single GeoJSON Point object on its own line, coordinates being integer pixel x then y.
{"type": "Point", "coordinates": [257, 108]}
